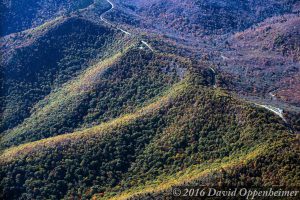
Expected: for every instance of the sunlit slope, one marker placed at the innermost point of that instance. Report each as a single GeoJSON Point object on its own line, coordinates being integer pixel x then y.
{"type": "Point", "coordinates": [274, 163]}
{"type": "Point", "coordinates": [44, 61]}
{"type": "Point", "coordinates": [104, 91]}
{"type": "Point", "coordinates": [189, 127]}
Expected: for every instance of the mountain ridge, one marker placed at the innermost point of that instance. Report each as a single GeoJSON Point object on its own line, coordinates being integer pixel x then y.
{"type": "Point", "coordinates": [127, 99]}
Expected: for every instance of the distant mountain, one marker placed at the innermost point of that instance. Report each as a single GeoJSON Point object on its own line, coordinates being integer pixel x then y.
{"type": "Point", "coordinates": [266, 58]}
{"type": "Point", "coordinates": [203, 17]}
{"type": "Point", "coordinates": [19, 15]}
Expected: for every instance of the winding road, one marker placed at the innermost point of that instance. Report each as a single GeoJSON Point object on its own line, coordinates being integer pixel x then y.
{"type": "Point", "coordinates": [277, 111]}
{"type": "Point", "coordinates": [120, 29]}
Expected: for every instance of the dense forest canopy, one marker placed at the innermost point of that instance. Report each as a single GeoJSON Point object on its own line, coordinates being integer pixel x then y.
{"type": "Point", "coordinates": [128, 99]}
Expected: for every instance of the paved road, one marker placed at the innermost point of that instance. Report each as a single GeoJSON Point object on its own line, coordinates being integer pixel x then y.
{"type": "Point", "coordinates": [277, 111]}
{"type": "Point", "coordinates": [124, 31]}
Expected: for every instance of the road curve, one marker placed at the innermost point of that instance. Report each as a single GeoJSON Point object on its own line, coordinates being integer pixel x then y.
{"type": "Point", "coordinates": [145, 43]}
{"type": "Point", "coordinates": [120, 29]}
{"type": "Point", "coordinates": [277, 111]}
{"type": "Point", "coordinates": [107, 22]}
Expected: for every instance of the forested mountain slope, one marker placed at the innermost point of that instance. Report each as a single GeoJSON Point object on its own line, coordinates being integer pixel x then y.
{"type": "Point", "coordinates": [127, 99]}
{"type": "Point", "coordinates": [254, 43]}
{"type": "Point", "coordinates": [202, 17]}
{"type": "Point", "coordinates": [51, 59]}
{"type": "Point", "coordinates": [265, 58]}
{"type": "Point", "coordinates": [19, 15]}
{"type": "Point", "coordinates": [166, 137]}
{"type": "Point", "coordinates": [104, 91]}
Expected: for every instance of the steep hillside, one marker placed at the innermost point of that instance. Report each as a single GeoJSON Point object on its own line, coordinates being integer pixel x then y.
{"type": "Point", "coordinates": [33, 70]}
{"type": "Point", "coordinates": [125, 99]}
{"type": "Point", "coordinates": [19, 15]}
{"type": "Point", "coordinates": [266, 166]}
{"type": "Point", "coordinates": [189, 127]}
{"type": "Point", "coordinates": [254, 44]}
{"type": "Point", "coordinates": [112, 87]}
